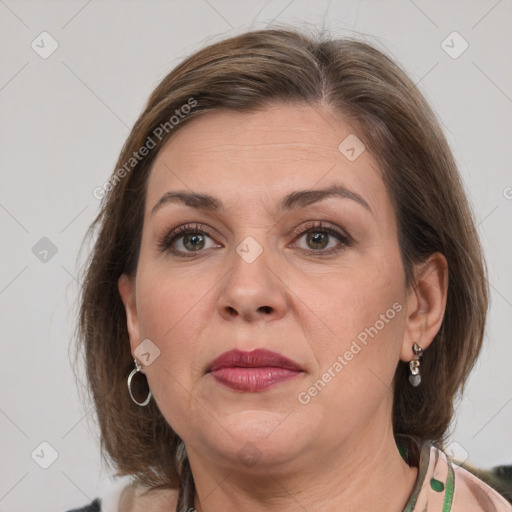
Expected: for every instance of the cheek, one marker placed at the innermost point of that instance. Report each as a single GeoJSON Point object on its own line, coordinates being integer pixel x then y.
{"type": "Point", "coordinates": [362, 312]}
{"type": "Point", "coordinates": [168, 299]}
{"type": "Point", "coordinates": [171, 311]}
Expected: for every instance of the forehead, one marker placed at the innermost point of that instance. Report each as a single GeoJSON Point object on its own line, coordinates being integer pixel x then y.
{"type": "Point", "coordinates": [272, 151]}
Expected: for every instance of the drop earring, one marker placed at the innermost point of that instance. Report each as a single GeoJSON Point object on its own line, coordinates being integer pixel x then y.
{"type": "Point", "coordinates": [414, 366]}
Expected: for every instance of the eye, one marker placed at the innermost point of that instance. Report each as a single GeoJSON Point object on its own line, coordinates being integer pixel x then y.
{"type": "Point", "coordinates": [191, 239]}
{"type": "Point", "coordinates": [186, 239]}
{"type": "Point", "coordinates": [319, 239]}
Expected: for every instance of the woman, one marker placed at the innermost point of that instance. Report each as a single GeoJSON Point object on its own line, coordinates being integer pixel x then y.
{"type": "Point", "coordinates": [288, 278]}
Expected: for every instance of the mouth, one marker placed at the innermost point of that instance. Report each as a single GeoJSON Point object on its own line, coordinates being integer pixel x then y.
{"type": "Point", "coordinates": [253, 371]}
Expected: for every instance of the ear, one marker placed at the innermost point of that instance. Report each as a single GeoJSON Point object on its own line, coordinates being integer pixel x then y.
{"type": "Point", "coordinates": [126, 287]}
{"type": "Point", "coordinates": [426, 304]}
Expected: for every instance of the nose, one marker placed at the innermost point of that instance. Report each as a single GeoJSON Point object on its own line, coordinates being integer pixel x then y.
{"type": "Point", "coordinates": [252, 290]}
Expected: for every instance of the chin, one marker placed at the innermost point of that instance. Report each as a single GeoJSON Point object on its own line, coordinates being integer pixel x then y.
{"type": "Point", "coordinates": [265, 437]}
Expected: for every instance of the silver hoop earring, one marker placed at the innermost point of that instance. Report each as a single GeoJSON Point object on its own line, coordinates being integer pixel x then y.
{"type": "Point", "coordinates": [414, 366]}
{"type": "Point", "coordinates": [140, 384]}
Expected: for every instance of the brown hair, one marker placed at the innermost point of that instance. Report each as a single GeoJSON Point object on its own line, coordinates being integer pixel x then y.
{"type": "Point", "coordinates": [244, 73]}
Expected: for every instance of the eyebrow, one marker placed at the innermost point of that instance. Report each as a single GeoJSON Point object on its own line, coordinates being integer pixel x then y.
{"type": "Point", "coordinates": [292, 201]}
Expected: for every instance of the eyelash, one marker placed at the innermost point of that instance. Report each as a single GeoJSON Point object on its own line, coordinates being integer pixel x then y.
{"type": "Point", "coordinates": [166, 242]}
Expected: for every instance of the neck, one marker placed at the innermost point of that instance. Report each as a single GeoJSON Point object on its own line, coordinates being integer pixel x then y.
{"type": "Point", "coordinates": [364, 472]}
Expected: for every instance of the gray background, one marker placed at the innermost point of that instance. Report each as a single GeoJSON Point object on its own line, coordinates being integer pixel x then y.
{"type": "Point", "coordinates": [63, 122]}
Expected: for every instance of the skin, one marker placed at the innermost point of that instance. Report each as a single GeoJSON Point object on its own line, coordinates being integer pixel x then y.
{"type": "Point", "coordinates": [337, 452]}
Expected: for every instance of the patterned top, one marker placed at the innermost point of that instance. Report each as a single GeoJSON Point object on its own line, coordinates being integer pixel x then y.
{"type": "Point", "coordinates": [442, 485]}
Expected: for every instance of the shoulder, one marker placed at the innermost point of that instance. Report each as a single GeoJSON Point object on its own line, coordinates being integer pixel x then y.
{"type": "Point", "coordinates": [94, 506]}
{"type": "Point", "coordinates": [472, 491]}
{"type": "Point", "coordinates": [448, 486]}
{"type": "Point", "coordinates": [459, 488]}
{"type": "Point", "coordinates": [133, 499]}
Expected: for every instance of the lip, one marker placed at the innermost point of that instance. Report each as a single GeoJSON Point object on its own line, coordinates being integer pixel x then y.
{"type": "Point", "coordinates": [252, 371]}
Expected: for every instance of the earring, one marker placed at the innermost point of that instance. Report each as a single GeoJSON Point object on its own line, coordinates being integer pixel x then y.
{"type": "Point", "coordinates": [140, 382]}
{"type": "Point", "coordinates": [414, 366]}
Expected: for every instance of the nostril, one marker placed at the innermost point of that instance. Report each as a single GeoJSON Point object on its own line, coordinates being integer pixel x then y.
{"type": "Point", "coordinates": [265, 309]}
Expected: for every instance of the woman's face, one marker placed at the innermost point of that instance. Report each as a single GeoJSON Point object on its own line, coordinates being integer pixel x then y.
{"type": "Point", "coordinates": [269, 265]}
